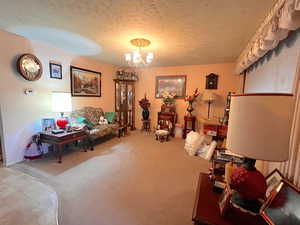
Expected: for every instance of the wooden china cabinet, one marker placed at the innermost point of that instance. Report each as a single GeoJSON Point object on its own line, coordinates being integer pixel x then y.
{"type": "Point", "coordinates": [125, 103]}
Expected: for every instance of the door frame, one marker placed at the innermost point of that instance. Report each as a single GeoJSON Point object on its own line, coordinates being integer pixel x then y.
{"type": "Point", "coordinates": [2, 139]}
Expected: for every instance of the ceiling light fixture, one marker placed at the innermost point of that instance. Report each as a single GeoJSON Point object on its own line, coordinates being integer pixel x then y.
{"type": "Point", "coordinates": [136, 58]}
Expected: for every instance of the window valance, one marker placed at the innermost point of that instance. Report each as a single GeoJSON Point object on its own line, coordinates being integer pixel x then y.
{"type": "Point", "coordinates": [284, 17]}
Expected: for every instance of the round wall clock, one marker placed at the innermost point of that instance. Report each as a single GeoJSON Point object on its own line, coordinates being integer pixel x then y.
{"type": "Point", "coordinates": [30, 67]}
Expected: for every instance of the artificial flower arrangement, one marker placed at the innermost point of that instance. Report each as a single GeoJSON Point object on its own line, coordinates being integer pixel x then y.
{"type": "Point", "coordinates": [168, 98]}
{"type": "Point", "coordinates": [191, 99]}
{"type": "Point", "coordinates": [144, 103]}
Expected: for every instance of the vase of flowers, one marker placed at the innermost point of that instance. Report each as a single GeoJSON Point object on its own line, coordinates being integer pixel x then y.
{"type": "Point", "coordinates": [190, 99]}
{"type": "Point", "coordinates": [168, 98]}
{"type": "Point", "coordinates": [145, 105]}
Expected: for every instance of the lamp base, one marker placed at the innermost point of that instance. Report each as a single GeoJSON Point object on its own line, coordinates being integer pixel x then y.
{"type": "Point", "coordinates": [249, 183]}
{"type": "Point", "coordinates": [62, 123]}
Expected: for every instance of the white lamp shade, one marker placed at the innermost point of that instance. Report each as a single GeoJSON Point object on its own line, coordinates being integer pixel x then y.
{"type": "Point", "coordinates": [61, 102]}
{"type": "Point", "coordinates": [260, 125]}
{"type": "Point", "coordinates": [208, 96]}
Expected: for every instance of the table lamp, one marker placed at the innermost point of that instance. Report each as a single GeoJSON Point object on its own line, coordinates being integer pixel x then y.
{"type": "Point", "coordinates": [61, 102]}
{"type": "Point", "coordinates": [208, 97]}
{"type": "Point", "coordinates": [259, 129]}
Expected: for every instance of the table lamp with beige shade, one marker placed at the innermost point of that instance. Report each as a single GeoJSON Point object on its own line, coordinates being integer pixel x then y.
{"type": "Point", "coordinates": [61, 103]}
{"type": "Point", "coordinates": [259, 129]}
{"type": "Point", "coordinates": [208, 97]}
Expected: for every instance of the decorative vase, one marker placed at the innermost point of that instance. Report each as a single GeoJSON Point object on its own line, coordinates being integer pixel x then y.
{"type": "Point", "coordinates": [62, 123]}
{"type": "Point", "coordinates": [190, 108]}
{"type": "Point", "coordinates": [145, 114]}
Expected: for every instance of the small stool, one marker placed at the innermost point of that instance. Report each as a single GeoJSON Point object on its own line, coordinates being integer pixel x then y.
{"type": "Point", "coordinates": [162, 135]}
{"type": "Point", "coordinates": [146, 126]}
{"type": "Point", "coordinates": [122, 131]}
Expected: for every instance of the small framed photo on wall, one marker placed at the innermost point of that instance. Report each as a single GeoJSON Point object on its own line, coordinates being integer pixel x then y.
{"type": "Point", "coordinates": [55, 70]}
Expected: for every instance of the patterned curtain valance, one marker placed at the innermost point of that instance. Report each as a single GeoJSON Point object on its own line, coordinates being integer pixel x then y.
{"type": "Point", "coordinates": [284, 17]}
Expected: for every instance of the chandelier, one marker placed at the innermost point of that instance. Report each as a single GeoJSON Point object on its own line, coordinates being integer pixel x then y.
{"type": "Point", "coordinates": [136, 58]}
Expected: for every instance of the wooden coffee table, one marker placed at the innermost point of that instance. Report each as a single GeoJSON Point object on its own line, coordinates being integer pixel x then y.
{"type": "Point", "coordinates": [59, 140]}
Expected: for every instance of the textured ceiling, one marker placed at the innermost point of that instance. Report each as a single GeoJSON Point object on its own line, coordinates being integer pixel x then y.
{"type": "Point", "coordinates": [182, 32]}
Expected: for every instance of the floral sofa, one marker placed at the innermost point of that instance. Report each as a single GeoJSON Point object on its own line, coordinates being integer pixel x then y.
{"type": "Point", "coordinates": [93, 115]}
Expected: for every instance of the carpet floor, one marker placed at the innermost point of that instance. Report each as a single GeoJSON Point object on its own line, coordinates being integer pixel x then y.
{"type": "Point", "coordinates": [133, 180]}
{"type": "Point", "coordinates": [26, 201]}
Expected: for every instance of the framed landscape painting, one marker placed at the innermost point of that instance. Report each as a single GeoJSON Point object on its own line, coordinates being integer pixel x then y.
{"type": "Point", "coordinates": [85, 83]}
{"type": "Point", "coordinates": [172, 84]}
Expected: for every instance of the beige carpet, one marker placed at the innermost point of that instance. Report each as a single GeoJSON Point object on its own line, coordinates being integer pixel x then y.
{"type": "Point", "coordinates": [133, 180]}
{"type": "Point", "coordinates": [25, 201]}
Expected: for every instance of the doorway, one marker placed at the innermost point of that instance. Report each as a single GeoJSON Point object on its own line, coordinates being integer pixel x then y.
{"type": "Point", "coordinates": [2, 155]}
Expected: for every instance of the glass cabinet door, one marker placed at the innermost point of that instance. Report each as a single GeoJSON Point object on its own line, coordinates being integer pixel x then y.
{"type": "Point", "coordinates": [129, 103]}
{"type": "Point", "coordinates": [117, 93]}
{"type": "Point", "coordinates": [124, 102]}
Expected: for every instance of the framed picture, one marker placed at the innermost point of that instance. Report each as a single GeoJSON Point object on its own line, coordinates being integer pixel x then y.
{"type": "Point", "coordinates": [85, 83]}
{"type": "Point", "coordinates": [55, 70]}
{"type": "Point", "coordinates": [172, 84]}
{"type": "Point", "coordinates": [48, 124]}
{"type": "Point", "coordinates": [224, 200]}
{"type": "Point", "coordinates": [272, 180]}
{"type": "Point", "coordinates": [282, 205]}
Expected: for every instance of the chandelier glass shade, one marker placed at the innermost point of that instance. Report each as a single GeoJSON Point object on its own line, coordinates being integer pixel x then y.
{"type": "Point", "coordinates": [136, 58]}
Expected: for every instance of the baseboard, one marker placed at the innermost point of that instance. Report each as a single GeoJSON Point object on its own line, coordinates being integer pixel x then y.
{"type": "Point", "coordinates": [7, 164]}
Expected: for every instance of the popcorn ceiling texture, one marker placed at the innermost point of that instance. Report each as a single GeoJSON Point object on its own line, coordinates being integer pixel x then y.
{"type": "Point", "coordinates": [182, 32]}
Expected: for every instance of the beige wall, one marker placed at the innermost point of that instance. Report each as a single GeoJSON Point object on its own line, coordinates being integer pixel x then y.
{"type": "Point", "coordinates": [21, 114]}
{"type": "Point", "coordinates": [195, 79]}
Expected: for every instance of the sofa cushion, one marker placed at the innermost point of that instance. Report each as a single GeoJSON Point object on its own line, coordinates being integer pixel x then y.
{"type": "Point", "coordinates": [102, 130]}
{"type": "Point", "coordinates": [80, 119]}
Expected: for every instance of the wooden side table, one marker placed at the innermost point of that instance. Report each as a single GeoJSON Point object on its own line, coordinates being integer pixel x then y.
{"type": "Point", "coordinates": [206, 209]}
{"type": "Point", "coordinates": [189, 125]}
{"type": "Point", "coordinates": [59, 140]}
{"type": "Point", "coordinates": [146, 126]}
{"type": "Point", "coordinates": [214, 128]}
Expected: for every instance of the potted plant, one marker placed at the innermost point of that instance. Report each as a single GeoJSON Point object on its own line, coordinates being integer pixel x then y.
{"type": "Point", "coordinates": [145, 105]}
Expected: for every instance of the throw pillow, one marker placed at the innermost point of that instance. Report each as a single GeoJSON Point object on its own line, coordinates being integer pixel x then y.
{"type": "Point", "coordinates": [110, 116]}
{"type": "Point", "coordinates": [87, 122]}
{"type": "Point", "coordinates": [80, 119]}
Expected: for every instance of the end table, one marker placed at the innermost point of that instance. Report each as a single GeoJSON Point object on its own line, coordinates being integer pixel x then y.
{"type": "Point", "coordinates": [206, 209]}
{"type": "Point", "coordinates": [189, 125]}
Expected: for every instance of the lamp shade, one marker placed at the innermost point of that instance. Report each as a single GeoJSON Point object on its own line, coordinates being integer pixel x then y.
{"type": "Point", "coordinates": [208, 96]}
{"type": "Point", "coordinates": [61, 102]}
{"type": "Point", "coordinates": [260, 125]}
